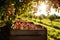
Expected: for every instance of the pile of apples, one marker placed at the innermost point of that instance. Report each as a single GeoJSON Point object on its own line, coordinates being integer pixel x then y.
{"type": "Point", "coordinates": [24, 25]}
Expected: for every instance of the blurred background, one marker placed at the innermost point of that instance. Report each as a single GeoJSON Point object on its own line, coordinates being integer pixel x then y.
{"type": "Point", "coordinates": [40, 12]}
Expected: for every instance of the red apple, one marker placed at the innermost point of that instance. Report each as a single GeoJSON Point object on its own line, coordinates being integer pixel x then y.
{"type": "Point", "coordinates": [7, 14]}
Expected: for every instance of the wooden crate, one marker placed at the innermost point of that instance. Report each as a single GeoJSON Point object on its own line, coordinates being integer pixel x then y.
{"type": "Point", "coordinates": [28, 35]}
